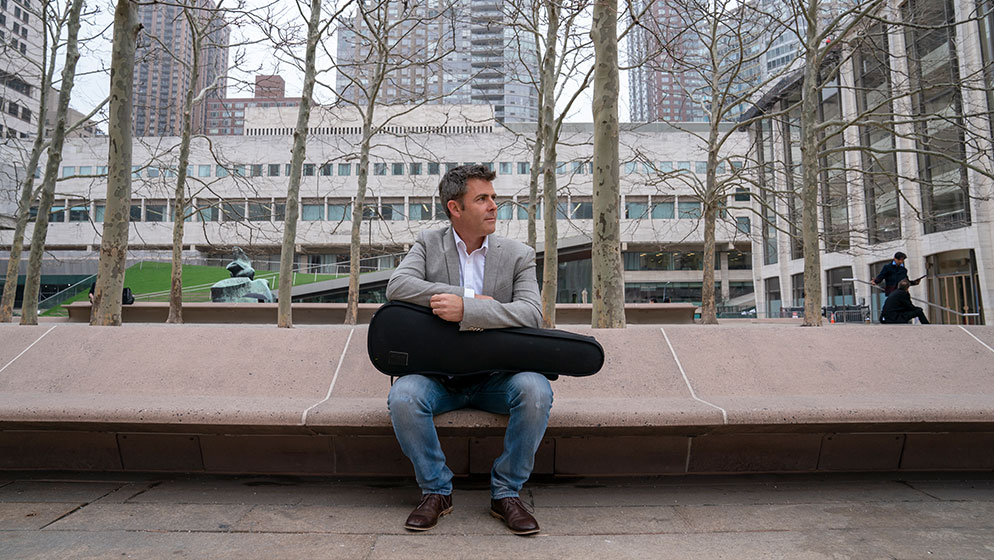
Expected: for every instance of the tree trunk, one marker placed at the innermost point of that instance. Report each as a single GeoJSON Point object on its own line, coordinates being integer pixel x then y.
{"type": "Point", "coordinates": [535, 170]}
{"type": "Point", "coordinates": [809, 173]}
{"type": "Point", "coordinates": [355, 239]}
{"type": "Point", "coordinates": [608, 276]}
{"type": "Point", "coordinates": [114, 245]}
{"type": "Point", "coordinates": [710, 204]}
{"type": "Point", "coordinates": [179, 197]}
{"type": "Point", "coordinates": [287, 252]}
{"type": "Point", "coordinates": [550, 268]}
{"type": "Point", "coordinates": [32, 283]}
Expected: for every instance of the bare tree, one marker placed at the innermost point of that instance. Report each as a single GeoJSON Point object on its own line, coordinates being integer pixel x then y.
{"type": "Point", "coordinates": [32, 283]}
{"type": "Point", "coordinates": [114, 245]}
{"type": "Point", "coordinates": [287, 250]}
{"type": "Point", "coordinates": [380, 34]}
{"type": "Point", "coordinates": [47, 72]}
{"type": "Point", "coordinates": [608, 273]}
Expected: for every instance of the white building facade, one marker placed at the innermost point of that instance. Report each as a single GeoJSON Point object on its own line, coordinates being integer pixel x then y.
{"type": "Point", "coordinates": [239, 184]}
{"type": "Point", "coordinates": [922, 186]}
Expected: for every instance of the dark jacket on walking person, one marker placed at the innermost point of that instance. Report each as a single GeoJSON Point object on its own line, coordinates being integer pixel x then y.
{"type": "Point", "coordinates": [892, 273]}
{"type": "Point", "coordinates": [898, 308]}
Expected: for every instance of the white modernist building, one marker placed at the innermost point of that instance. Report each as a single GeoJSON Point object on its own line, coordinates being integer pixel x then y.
{"type": "Point", "coordinates": [239, 184]}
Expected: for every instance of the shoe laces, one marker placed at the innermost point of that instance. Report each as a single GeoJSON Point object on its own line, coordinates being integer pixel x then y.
{"type": "Point", "coordinates": [523, 505]}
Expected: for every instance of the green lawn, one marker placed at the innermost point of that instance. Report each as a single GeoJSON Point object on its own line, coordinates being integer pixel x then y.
{"type": "Point", "coordinates": [153, 278]}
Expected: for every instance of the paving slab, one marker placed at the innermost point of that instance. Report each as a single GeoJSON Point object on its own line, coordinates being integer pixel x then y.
{"type": "Point", "coordinates": [55, 491]}
{"type": "Point", "coordinates": [845, 374]}
{"type": "Point", "coordinates": [746, 492]}
{"type": "Point", "coordinates": [74, 545]}
{"type": "Point", "coordinates": [33, 516]}
{"type": "Point", "coordinates": [152, 517]}
{"type": "Point", "coordinates": [816, 545]}
{"type": "Point", "coordinates": [956, 490]}
{"type": "Point", "coordinates": [847, 515]}
{"type": "Point", "coordinates": [985, 334]}
{"type": "Point", "coordinates": [172, 374]}
{"type": "Point", "coordinates": [14, 339]}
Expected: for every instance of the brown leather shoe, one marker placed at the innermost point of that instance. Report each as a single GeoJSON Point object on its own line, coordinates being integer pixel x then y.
{"type": "Point", "coordinates": [514, 514]}
{"type": "Point", "coordinates": [426, 515]}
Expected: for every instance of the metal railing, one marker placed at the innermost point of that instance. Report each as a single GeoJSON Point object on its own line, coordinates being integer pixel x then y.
{"type": "Point", "coordinates": [926, 302]}
{"type": "Point", "coordinates": [66, 294]}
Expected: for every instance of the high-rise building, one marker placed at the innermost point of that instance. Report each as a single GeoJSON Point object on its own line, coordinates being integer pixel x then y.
{"type": "Point", "coordinates": [454, 52]}
{"type": "Point", "coordinates": [20, 59]}
{"type": "Point", "coordinates": [162, 71]}
{"type": "Point", "coordinates": [660, 87]}
{"type": "Point", "coordinates": [226, 117]}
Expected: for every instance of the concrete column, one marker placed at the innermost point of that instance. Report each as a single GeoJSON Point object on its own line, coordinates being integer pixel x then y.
{"type": "Point", "coordinates": [725, 288]}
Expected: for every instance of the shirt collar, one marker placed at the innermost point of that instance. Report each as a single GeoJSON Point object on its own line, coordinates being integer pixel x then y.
{"type": "Point", "coordinates": [462, 244]}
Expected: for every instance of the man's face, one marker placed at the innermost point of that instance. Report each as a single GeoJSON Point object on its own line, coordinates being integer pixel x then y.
{"type": "Point", "coordinates": [476, 214]}
{"type": "Point", "coordinates": [899, 261]}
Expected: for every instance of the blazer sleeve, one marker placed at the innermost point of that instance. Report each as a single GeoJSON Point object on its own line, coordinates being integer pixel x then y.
{"type": "Point", "coordinates": [524, 309]}
{"type": "Point", "coordinates": [408, 282]}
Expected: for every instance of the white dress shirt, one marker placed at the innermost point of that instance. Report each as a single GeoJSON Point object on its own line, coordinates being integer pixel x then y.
{"type": "Point", "coordinates": [471, 266]}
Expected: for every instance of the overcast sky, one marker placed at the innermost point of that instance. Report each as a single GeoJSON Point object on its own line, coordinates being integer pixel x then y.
{"type": "Point", "coordinates": [92, 83]}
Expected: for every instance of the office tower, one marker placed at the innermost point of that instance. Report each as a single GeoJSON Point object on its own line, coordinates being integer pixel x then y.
{"type": "Point", "coordinates": [226, 117]}
{"type": "Point", "coordinates": [458, 52]}
{"type": "Point", "coordinates": [20, 58]}
{"type": "Point", "coordinates": [162, 73]}
{"type": "Point", "coordinates": [660, 88]}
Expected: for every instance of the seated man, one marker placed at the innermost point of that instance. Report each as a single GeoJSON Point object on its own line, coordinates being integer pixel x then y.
{"type": "Point", "coordinates": [481, 281]}
{"type": "Point", "coordinates": [898, 307]}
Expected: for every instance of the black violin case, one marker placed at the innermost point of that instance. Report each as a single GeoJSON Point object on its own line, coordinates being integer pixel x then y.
{"type": "Point", "coordinates": [405, 338]}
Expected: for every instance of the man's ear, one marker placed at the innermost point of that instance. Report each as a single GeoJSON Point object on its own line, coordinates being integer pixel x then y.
{"type": "Point", "coordinates": [454, 208]}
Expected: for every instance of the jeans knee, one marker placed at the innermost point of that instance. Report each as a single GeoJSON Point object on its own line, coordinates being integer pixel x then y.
{"type": "Point", "coordinates": [532, 390]}
{"type": "Point", "coordinates": [406, 397]}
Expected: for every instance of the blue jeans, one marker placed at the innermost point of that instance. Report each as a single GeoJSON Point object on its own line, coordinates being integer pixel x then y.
{"type": "Point", "coordinates": [415, 399]}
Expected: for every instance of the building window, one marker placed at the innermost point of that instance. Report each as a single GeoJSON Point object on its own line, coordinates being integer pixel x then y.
{"type": "Point", "coordinates": [68, 170]}
{"type": "Point", "coordinates": [327, 169]}
{"type": "Point", "coordinates": [937, 108]}
{"type": "Point", "coordinates": [221, 171]}
{"type": "Point", "coordinates": [203, 171]}
{"type": "Point", "coordinates": [233, 211]}
{"type": "Point", "coordinates": [312, 212]}
{"type": "Point", "coordinates": [79, 213]}
{"type": "Point", "coordinates": [523, 210]}
{"type": "Point", "coordinates": [773, 299]}
{"type": "Point", "coordinates": [419, 210]}
{"type": "Point", "coordinates": [339, 212]}
{"type": "Point", "coordinates": [257, 170]}
{"type": "Point", "coordinates": [506, 168]}
{"type": "Point", "coordinates": [689, 210]}
{"type": "Point", "coordinates": [136, 212]}
{"type": "Point", "coordinates": [742, 224]}
{"type": "Point", "coordinates": [379, 168]}
{"type": "Point", "coordinates": [840, 292]}
{"type": "Point", "coordinates": [636, 210]}
{"type": "Point", "coordinates": [524, 168]}
{"type": "Point", "coordinates": [274, 170]}
{"type": "Point", "coordinates": [308, 170]}
{"type": "Point", "coordinates": [344, 169]}
{"type": "Point", "coordinates": [797, 289]}
{"type": "Point", "coordinates": [415, 169]}
{"type": "Point", "coordinates": [260, 211]}
{"type": "Point", "coordinates": [433, 168]}
{"type": "Point", "coordinates": [397, 168]}
{"type": "Point", "coordinates": [663, 210]}
{"type": "Point", "coordinates": [98, 213]}
{"type": "Point", "coordinates": [155, 212]}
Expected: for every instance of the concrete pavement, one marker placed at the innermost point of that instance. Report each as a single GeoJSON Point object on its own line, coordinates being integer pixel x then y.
{"type": "Point", "coordinates": [892, 515]}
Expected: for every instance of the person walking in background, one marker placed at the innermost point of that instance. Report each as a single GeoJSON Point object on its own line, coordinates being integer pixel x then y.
{"type": "Point", "coordinates": [892, 274]}
{"type": "Point", "coordinates": [898, 308]}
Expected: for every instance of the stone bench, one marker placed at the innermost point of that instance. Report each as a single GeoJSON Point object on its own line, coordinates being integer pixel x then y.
{"type": "Point", "coordinates": [334, 313]}
{"type": "Point", "coordinates": [670, 399]}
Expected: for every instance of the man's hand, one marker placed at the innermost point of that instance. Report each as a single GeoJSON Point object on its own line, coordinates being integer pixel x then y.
{"type": "Point", "coordinates": [447, 306]}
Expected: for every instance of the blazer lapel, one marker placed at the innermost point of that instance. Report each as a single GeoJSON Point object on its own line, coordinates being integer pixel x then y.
{"type": "Point", "coordinates": [451, 257]}
{"type": "Point", "coordinates": [492, 266]}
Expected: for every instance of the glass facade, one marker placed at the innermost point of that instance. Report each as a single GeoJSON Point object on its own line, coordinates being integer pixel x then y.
{"type": "Point", "coordinates": [834, 194]}
{"type": "Point", "coordinates": [937, 106]}
{"type": "Point", "coordinates": [876, 136]}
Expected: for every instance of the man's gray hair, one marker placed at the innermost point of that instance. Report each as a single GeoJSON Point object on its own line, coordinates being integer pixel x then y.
{"type": "Point", "coordinates": [453, 184]}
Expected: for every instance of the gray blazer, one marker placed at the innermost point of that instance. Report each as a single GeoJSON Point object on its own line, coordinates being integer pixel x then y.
{"type": "Point", "coordinates": [432, 267]}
